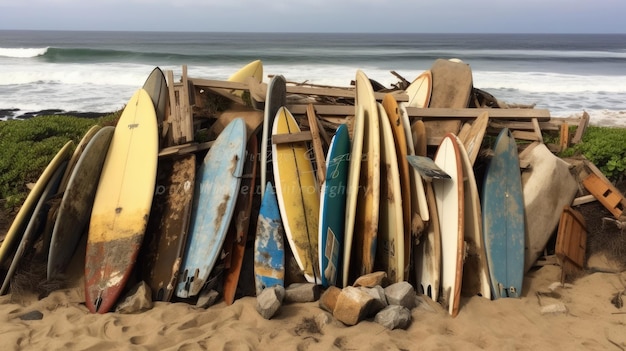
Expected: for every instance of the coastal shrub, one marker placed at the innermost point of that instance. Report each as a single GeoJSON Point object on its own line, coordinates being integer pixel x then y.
{"type": "Point", "coordinates": [605, 147]}
{"type": "Point", "coordinates": [27, 146]}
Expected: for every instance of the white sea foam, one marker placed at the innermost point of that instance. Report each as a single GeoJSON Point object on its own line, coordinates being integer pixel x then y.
{"type": "Point", "coordinates": [22, 52]}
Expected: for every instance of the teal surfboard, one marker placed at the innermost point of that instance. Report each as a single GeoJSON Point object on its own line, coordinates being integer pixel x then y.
{"type": "Point", "coordinates": [217, 185]}
{"type": "Point", "coordinates": [333, 206]}
{"type": "Point", "coordinates": [269, 247]}
{"type": "Point", "coordinates": [503, 218]}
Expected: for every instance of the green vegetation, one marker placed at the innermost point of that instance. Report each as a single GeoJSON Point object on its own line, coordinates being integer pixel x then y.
{"type": "Point", "coordinates": [606, 148]}
{"type": "Point", "coordinates": [27, 146]}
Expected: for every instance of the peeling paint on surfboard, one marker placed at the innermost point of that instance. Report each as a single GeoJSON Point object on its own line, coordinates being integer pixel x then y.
{"type": "Point", "coordinates": [269, 249]}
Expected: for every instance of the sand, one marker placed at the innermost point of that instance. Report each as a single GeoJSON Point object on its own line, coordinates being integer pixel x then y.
{"type": "Point", "coordinates": [591, 322]}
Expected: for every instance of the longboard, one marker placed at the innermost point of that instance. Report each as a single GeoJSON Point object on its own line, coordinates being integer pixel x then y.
{"type": "Point", "coordinates": [333, 207]}
{"type": "Point", "coordinates": [354, 172]}
{"type": "Point", "coordinates": [16, 230]}
{"type": "Point", "coordinates": [390, 246]}
{"type": "Point", "coordinates": [475, 268]}
{"type": "Point", "coordinates": [475, 135]}
{"type": "Point", "coordinates": [428, 252]}
{"type": "Point", "coordinates": [450, 210]}
{"type": "Point", "coordinates": [253, 69]}
{"type": "Point", "coordinates": [35, 225]}
{"type": "Point", "coordinates": [78, 151]}
{"type": "Point", "coordinates": [217, 182]}
{"type": "Point", "coordinates": [240, 224]}
{"type": "Point", "coordinates": [269, 249]}
{"type": "Point", "coordinates": [77, 202]}
{"type": "Point", "coordinates": [503, 218]}
{"type": "Point", "coordinates": [368, 196]}
{"type": "Point", "coordinates": [122, 204]}
{"type": "Point", "coordinates": [298, 195]}
{"type": "Point", "coordinates": [168, 225]}
{"type": "Point", "coordinates": [396, 122]}
{"type": "Point", "coordinates": [276, 98]}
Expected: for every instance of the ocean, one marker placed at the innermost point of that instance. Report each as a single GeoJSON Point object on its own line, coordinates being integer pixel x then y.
{"type": "Point", "coordinates": [99, 71]}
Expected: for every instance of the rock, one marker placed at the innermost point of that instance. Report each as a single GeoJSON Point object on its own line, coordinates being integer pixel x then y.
{"type": "Point", "coordinates": [207, 298]}
{"type": "Point", "coordinates": [353, 305]}
{"type": "Point", "coordinates": [302, 292]}
{"type": "Point", "coordinates": [371, 280]}
{"type": "Point", "coordinates": [380, 299]}
{"type": "Point", "coordinates": [31, 316]}
{"type": "Point", "coordinates": [269, 301]}
{"type": "Point", "coordinates": [323, 319]}
{"type": "Point", "coordinates": [402, 294]}
{"type": "Point", "coordinates": [139, 299]}
{"type": "Point", "coordinates": [394, 316]}
{"type": "Point", "coordinates": [328, 300]}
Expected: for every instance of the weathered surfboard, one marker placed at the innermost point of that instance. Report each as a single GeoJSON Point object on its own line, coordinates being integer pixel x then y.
{"type": "Point", "coordinates": [276, 98]}
{"type": "Point", "coordinates": [122, 204]}
{"type": "Point", "coordinates": [333, 207]}
{"type": "Point", "coordinates": [168, 225]}
{"type": "Point", "coordinates": [77, 202]}
{"type": "Point", "coordinates": [269, 249]}
{"type": "Point", "coordinates": [298, 195]}
{"type": "Point", "coordinates": [503, 218]}
{"type": "Point", "coordinates": [217, 184]}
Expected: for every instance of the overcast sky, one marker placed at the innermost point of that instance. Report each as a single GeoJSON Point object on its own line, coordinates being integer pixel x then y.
{"type": "Point", "coordinates": [401, 16]}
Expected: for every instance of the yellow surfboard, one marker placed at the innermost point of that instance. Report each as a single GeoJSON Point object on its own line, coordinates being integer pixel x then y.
{"type": "Point", "coordinates": [253, 69]}
{"type": "Point", "coordinates": [122, 203]}
{"type": "Point", "coordinates": [298, 195]}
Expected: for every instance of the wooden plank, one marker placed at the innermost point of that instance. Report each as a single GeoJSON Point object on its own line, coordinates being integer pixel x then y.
{"type": "Point", "coordinates": [571, 239]}
{"type": "Point", "coordinates": [564, 136]}
{"type": "Point", "coordinates": [173, 111]}
{"type": "Point", "coordinates": [320, 161]}
{"type": "Point", "coordinates": [541, 115]}
{"type": "Point", "coordinates": [521, 135]}
{"type": "Point", "coordinates": [184, 149]}
{"type": "Point", "coordinates": [260, 89]}
{"type": "Point", "coordinates": [291, 138]}
{"type": "Point", "coordinates": [552, 125]}
{"type": "Point", "coordinates": [582, 127]}
{"type": "Point", "coordinates": [185, 110]}
{"type": "Point", "coordinates": [585, 199]}
{"type": "Point", "coordinates": [537, 129]}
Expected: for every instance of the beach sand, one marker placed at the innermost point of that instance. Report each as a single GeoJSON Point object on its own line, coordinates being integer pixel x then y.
{"type": "Point", "coordinates": [590, 323]}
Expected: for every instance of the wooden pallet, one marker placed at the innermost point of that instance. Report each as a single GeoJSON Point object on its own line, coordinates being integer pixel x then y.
{"type": "Point", "coordinates": [609, 196]}
{"type": "Point", "coordinates": [571, 239]}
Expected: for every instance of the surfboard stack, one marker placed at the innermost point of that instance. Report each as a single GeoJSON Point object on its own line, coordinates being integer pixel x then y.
{"type": "Point", "coordinates": [279, 194]}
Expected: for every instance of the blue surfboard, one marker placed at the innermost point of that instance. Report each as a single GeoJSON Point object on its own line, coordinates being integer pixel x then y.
{"type": "Point", "coordinates": [269, 249]}
{"type": "Point", "coordinates": [217, 185]}
{"type": "Point", "coordinates": [333, 206]}
{"type": "Point", "coordinates": [503, 218]}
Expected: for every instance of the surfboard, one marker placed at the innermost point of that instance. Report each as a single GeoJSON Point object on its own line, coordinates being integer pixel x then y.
{"type": "Point", "coordinates": [451, 88]}
{"type": "Point", "coordinates": [420, 89]}
{"type": "Point", "coordinates": [75, 207]}
{"type": "Point", "coordinates": [122, 204]}
{"type": "Point", "coordinates": [450, 210]}
{"type": "Point", "coordinates": [298, 196]}
{"type": "Point", "coordinates": [503, 218]}
{"type": "Point", "coordinates": [392, 111]}
{"type": "Point", "coordinates": [91, 132]}
{"type": "Point", "coordinates": [253, 69]}
{"type": "Point", "coordinates": [16, 230]}
{"type": "Point", "coordinates": [269, 249]}
{"type": "Point", "coordinates": [368, 197]}
{"type": "Point", "coordinates": [217, 184]}
{"type": "Point", "coordinates": [428, 252]}
{"type": "Point", "coordinates": [333, 207]}
{"type": "Point", "coordinates": [390, 248]}
{"type": "Point", "coordinates": [475, 268]}
{"type": "Point", "coordinates": [354, 172]}
{"type": "Point", "coordinates": [168, 225]}
{"type": "Point", "coordinates": [276, 98]}
{"type": "Point", "coordinates": [35, 225]}
{"type": "Point", "coordinates": [156, 86]}
{"type": "Point", "coordinates": [240, 224]}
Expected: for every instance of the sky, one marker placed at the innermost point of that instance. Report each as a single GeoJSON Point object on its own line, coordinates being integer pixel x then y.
{"type": "Point", "coordinates": [361, 16]}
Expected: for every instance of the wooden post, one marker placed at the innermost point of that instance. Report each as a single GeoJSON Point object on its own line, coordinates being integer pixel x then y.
{"type": "Point", "coordinates": [317, 144]}
{"type": "Point", "coordinates": [564, 138]}
{"type": "Point", "coordinates": [582, 126]}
